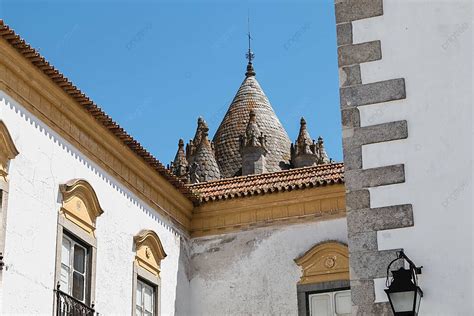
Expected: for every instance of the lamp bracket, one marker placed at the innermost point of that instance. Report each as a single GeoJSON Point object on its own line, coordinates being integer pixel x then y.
{"type": "Point", "coordinates": [401, 255]}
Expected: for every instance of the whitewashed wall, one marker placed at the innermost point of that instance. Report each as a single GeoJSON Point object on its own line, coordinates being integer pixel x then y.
{"type": "Point", "coordinates": [253, 272]}
{"type": "Point", "coordinates": [46, 161]}
{"type": "Point", "coordinates": [429, 43]}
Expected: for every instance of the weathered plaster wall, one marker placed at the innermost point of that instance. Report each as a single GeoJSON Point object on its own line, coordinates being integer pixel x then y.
{"type": "Point", "coordinates": [46, 161]}
{"type": "Point", "coordinates": [426, 141]}
{"type": "Point", "coordinates": [253, 272]}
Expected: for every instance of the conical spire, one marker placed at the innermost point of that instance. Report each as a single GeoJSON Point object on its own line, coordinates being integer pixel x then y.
{"type": "Point", "coordinates": [304, 151]}
{"type": "Point", "coordinates": [179, 166]}
{"type": "Point", "coordinates": [233, 126]}
{"type": "Point", "coordinates": [323, 156]}
{"type": "Point", "coordinates": [304, 141]}
{"type": "Point", "coordinates": [193, 144]}
{"type": "Point", "coordinates": [204, 166]}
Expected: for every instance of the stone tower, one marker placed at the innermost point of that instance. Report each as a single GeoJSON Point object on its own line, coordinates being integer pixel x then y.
{"type": "Point", "coordinates": [249, 140]}
{"type": "Point", "coordinates": [250, 96]}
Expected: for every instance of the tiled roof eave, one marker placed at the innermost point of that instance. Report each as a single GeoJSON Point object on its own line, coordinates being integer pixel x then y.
{"type": "Point", "coordinates": [281, 181]}
{"type": "Point", "coordinates": [97, 113]}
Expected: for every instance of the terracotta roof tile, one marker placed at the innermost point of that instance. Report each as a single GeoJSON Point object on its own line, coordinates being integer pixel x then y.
{"type": "Point", "coordinates": [287, 180]}
{"type": "Point", "coordinates": [43, 65]}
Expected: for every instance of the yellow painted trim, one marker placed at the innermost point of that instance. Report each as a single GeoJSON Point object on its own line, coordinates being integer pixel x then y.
{"type": "Point", "coordinates": [149, 251]}
{"type": "Point", "coordinates": [8, 150]}
{"type": "Point", "coordinates": [80, 204]}
{"type": "Point", "coordinates": [311, 204]}
{"type": "Point", "coordinates": [328, 261]}
{"type": "Point", "coordinates": [44, 99]}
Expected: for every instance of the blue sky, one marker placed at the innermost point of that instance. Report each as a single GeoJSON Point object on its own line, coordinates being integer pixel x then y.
{"type": "Point", "coordinates": [156, 66]}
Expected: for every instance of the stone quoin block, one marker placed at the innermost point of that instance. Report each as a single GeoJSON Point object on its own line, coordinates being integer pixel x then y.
{"type": "Point", "coordinates": [374, 177]}
{"type": "Point", "coordinates": [366, 241]}
{"type": "Point", "coordinates": [371, 93]}
{"type": "Point", "coordinates": [351, 10]}
{"type": "Point", "coordinates": [369, 265]}
{"type": "Point", "coordinates": [350, 118]}
{"type": "Point", "coordinates": [359, 53]}
{"type": "Point", "coordinates": [373, 309]}
{"type": "Point", "coordinates": [359, 199]}
{"type": "Point", "coordinates": [349, 76]}
{"type": "Point", "coordinates": [352, 157]}
{"type": "Point", "coordinates": [381, 218]}
{"type": "Point", "coordinates": [344, 34]}
{"type": "Point", "coordinates": [362, 292]}
{"type": "Point", "coordinates": [378, 133]}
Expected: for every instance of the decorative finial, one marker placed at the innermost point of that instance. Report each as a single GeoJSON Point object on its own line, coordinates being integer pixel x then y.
{"type": "Point", "coordinates": [249, 55]}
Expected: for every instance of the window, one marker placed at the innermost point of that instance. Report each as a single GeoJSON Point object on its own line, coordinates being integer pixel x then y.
{"type": "Point", "coordinates": [146, 273]}
{"type": "Point", "coordinates": [145, 299]}
{"type": "Point", "coordinates": [324, 283]}
{"type": "Point", "coordinates": [8, 152]}
{"type": "Point", "coordinates": [76, 249]}
{"type": "Point", "coordinates": [74, 269]}
{"type": "Point", "coordinates": [337, 303]}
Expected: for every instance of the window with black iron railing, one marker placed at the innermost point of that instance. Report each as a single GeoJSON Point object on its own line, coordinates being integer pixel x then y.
{"type": "Point", "coordinates": [67, 305]}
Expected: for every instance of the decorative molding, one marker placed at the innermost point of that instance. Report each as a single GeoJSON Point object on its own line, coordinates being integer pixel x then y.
{"type": "Point", "coordinates": [149, 251]}
{"type": "Point", "coordinates": [80, 204]}
{"type": "Point", "coordinates": [310, 204]}
{"type": "Point", "coordinates": [366, 261]}
{"type": "Point", "coordinates": [8, 150]}
{"type": "Point", "coordinates": [36, 92]}
{"type": "Point", "coordinates": [328, 261]}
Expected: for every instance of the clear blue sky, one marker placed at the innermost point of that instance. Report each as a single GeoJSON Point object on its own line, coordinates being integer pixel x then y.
{"type": "Point", "coordinates": [156, 66]}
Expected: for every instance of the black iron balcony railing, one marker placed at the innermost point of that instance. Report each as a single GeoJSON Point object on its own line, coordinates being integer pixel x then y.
{"type": "Point", "coordinates": [66, 305]}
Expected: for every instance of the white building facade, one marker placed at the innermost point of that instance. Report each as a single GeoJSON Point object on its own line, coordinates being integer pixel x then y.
{"type": "Point", "coordinates": [406, 102]}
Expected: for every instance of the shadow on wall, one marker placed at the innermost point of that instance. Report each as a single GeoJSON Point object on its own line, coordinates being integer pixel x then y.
{"type": "Point", "coordinates": [183, 289]}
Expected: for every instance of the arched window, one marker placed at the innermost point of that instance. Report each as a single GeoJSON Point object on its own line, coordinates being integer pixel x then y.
{"type": "Point", "coordinates": [8, 152]}
{"type": "Point", "coordinates": [323, 288]}
{"type": "Point", "coordinates": [146, 273]}
{"type": "Point", "coordinates": [76, 246]}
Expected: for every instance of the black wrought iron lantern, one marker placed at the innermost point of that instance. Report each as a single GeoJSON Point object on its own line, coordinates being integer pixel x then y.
{"type": "Point", "coordinates": [403, 291]}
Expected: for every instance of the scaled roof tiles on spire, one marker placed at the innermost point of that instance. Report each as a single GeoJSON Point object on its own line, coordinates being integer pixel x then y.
{"type": "Point", "coordinates": [265, 183]}
{"type": "Point", "coordinates": [250, 96]}
{"type": "Point", "coordinates": [67, 86]}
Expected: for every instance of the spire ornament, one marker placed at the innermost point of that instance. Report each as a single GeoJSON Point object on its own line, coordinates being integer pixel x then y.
{"type": "Point", "coordinates": [307, 152]}
{"type": "Point", "coordinates": [249, 55]}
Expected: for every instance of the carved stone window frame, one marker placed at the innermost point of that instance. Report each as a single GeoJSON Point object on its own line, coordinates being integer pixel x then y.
{"type": "Point", "coordinates": [77, 217]}
{"type": "Point", "coordinates": [8, 152]}
{"type": "Point", "coordinates": [147, 265]}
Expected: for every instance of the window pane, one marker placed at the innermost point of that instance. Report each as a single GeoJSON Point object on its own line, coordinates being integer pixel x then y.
{"type": "Point", "coordinates": [64, 278]}
{"type": "Point", "coordinates": [138, 311]}
{"type": "Point", "coordinates": [65, 252]}
{"type": "Point", "coordinates": [148, 299]}
{"type": "Point", "coordinates": [79, 258]}
{"type": "Point", "coordinates": [343, 303]}
{"type": "Point", "coordinates": [320, 305]}
{"type": "Point", "coordinates": [78, 286]}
